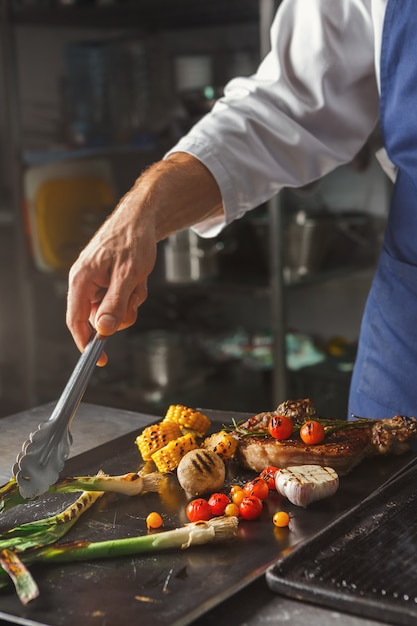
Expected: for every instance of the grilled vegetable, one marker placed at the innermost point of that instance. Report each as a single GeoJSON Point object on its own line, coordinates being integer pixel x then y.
{"type": "Point", "coordinates": [304, 484]}
{"type": "Point", "coordinates": [26, 587]}
{"type": "Point", "coordinates": [131, 484]}
{"type": "Point", "coordinates": [201, 471]}
{"type": "Point", "coordinates": [214, 530]}
{"type": "Point", "coordinates": [187, 419]}
{"type": "Point", "coordinates": [198, 533]}
{"type": "Point", "coordinates": [167, 458]}
{"type": "Point", "coordinates": [280, 427]}
{"type": "Point", "coordinates": [10, 495]}
{"type": "Point", "coordinates": [281, 519]}
{"type": "Point", "coordinates": [154, 520]}
{"type": "Point", "coordinates": [257, 487]}
{"type": "Point", "coordinates": [268, 475]}
{"type": "Point", "coordinates": [218, 503]}
{"type": "Point", "coordinates": [222, 443]}
{"type": "Point", "coordinates": [312, 432]}
{"type": "Point", "coordinates": [48, 530]}
{"type": "Point", "coordinates": [198, 510]}
{"type": "Point", "coordinates": [250, 508]}
{"type": "Point", "coordinates": [155, 437]}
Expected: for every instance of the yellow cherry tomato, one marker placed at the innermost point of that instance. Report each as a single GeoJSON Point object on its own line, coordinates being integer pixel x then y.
{"type": "Point", "coordinates": [154, 520]}
{"type": "Point", "coordinates": [232, 510]}
{"type": "Point", "coordinates": [238, 496]}
{"type": "Point", "coordinates": [281, 519]}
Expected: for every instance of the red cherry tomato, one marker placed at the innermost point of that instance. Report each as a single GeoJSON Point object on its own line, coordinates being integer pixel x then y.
{"type": "Point", "coordinates": [250, 508]}
{"type": "Point", "coordinates": [198, 510]}
{"type": "Point", "coordinates": [257, 487]}
{"type": "Point", "coordinates": [280, 427]}
{"type": "Point", "coordinates": [268, 475]}
{"type": "Point", "coordinates": [312, 432]}
{"type": "Point", "coordinates": [218, 502]}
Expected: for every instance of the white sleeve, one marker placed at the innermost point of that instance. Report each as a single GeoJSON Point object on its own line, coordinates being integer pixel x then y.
{"type": "Point", "coordinates": [309, 108]}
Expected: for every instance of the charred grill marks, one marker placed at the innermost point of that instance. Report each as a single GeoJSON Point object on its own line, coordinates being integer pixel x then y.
{"type": "Point", "coordinates": [203, 463]}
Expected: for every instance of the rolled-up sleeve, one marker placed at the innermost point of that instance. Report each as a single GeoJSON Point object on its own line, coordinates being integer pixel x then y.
{"type": "Point", "coordinates": [310, 107]}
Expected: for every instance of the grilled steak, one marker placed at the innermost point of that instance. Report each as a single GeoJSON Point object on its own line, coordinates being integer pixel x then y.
{"type": "Point", "coordinates": [342, 449]}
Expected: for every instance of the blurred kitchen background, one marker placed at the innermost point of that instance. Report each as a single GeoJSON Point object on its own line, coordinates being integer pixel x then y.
{"type": "Point", "coordinates": [94, 92]}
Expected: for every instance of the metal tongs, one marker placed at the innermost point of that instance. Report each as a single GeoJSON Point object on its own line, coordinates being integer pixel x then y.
{"type": "Point", "coordinates": [44, 454]}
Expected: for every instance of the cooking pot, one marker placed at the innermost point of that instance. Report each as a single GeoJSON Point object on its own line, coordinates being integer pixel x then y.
{"type": "Point", "coordinates": [159, 361]}
{"type": "Point", "coordinates": [307, 237]}
{"type": "Point", "coordinates": [190, 258]}
{"type": "Point", "coordinates": [318, 240]}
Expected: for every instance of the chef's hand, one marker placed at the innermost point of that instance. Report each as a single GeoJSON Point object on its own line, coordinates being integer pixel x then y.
{"type": "Point", "coordinates": [108, 281]}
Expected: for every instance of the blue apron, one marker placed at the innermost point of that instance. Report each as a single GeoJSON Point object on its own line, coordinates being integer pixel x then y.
{"type": "Point", "coordinates": [384, 381]}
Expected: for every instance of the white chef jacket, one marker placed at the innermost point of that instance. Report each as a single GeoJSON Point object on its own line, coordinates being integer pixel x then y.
{"type": "Point", "coordinates": [309, 108]}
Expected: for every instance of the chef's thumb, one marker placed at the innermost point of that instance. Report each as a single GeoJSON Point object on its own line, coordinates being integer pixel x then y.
{"type": "Point", "coordinates": [106, 324]}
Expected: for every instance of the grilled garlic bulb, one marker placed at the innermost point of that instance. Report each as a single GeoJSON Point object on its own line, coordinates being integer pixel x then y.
{"type": "Point", "coordinates": [304, 484]}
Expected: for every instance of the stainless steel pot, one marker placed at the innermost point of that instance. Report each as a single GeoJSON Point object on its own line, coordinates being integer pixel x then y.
{"type": "Point", "coordinates": [307, 240]}
{"type": "Point", "coordinates": [190, 258]}
{"type": "Point", "coordinates": [159, 361]}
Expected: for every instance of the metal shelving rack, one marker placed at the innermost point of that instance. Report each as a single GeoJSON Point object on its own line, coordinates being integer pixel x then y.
{"type": "Point", "coordinates": [23, 367]}
{"type": "Point", "coordinates": [151, 16]}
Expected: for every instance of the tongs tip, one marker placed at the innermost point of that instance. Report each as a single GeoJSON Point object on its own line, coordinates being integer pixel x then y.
{"type": "Point", "coordinates": [44, 453]}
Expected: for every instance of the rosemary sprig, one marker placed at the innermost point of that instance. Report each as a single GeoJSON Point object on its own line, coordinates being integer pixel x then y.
{"type": "Point", "coordinates": [244, 432]}
{"type": "Point", "coordinates": [329, 425]}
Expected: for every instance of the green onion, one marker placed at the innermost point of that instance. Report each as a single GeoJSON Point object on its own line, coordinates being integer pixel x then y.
{"type": "Point", "coordinates": [131, 484]}
{"type": "Point", "coordinates": [10, 496]}
{"type": "Point", "coordinates": [26, 587]}
{"type": "Point", "coordinates": [36, 535]}
{"type": "Point", "coordinates": [217, 529]}
{"type": "Point", "coordinates": [197, 533]}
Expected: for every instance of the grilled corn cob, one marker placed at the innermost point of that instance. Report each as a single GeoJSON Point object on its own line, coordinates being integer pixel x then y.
{"type": "Point", "coordinates": [167, 458]}
{"type": "Point", "coordinates": [222, 443]}
{"type": "Point", "coordinates": [188, 419]}
{"type": "Point", "coordinates": [155, 437]}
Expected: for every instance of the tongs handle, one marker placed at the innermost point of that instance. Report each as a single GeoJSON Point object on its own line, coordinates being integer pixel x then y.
{"type": "Point", "coordinates": [68, 403]}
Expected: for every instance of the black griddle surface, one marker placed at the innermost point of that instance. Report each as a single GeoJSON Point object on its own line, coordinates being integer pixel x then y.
{"type": "Point", "coordinates": [363, 563]}
{"type": "Point", "coordinates": [172, 588]}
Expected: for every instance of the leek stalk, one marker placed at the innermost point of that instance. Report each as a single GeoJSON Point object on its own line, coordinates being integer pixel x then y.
{"type": "Point", "coordinates": [48, 530]}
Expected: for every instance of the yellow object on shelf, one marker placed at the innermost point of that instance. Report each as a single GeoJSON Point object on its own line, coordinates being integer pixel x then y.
{"type": "Point", "coordinates": [66, 203]}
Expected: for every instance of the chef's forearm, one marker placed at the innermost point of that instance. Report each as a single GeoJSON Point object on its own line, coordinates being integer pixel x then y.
{"type": "Point", "coordinates": [179, 192]}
